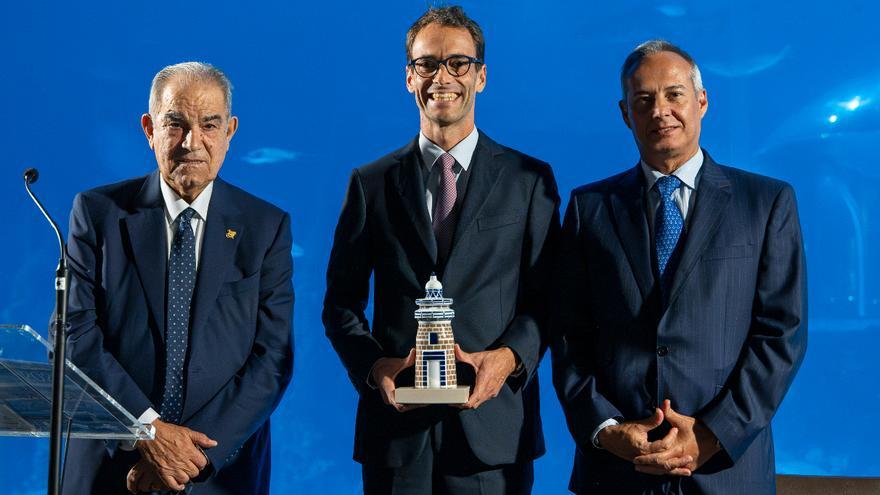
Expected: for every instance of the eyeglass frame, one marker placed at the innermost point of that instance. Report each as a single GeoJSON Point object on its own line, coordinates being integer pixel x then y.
{"type": "Point", "coordinates": [471, 61]}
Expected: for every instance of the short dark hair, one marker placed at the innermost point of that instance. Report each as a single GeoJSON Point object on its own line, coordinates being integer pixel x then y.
{"type": "Point", "coordinates": [452, 16]}
{"type": "Point", "coordinates": [650, 47]}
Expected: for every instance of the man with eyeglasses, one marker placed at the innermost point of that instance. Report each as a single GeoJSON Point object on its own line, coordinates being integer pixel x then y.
{"type": "Point", "coordinates": [484, 219]}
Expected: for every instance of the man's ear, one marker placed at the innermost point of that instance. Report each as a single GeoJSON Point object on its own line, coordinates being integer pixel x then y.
{"type": "Point", "coordinates": [481, 78]}
{"type": "Point", "coordinates": [147, 126]}
{"type": "Point", "coordinates": [231, 127]}
{"type": "Point", "coordinates": [409, 77]}
{"type": "Point", "coordinates": [703, 100]}
{"type": "Point", "coordinates": [624, 113]}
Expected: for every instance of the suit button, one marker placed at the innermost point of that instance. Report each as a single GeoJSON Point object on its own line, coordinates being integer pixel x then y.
{"type": "Point", "coordinates": [662, 350]}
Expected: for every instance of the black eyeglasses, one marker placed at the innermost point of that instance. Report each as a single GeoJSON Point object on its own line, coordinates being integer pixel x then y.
{"type": "Point", "coordinates": [456, 65]}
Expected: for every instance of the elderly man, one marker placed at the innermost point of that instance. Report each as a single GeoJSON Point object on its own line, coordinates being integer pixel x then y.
{"type": "Point", "coordinates": [181, 305]}
{"type": "Point", "coordinates": [682, 304]}
{"type": "Point", "coordinates": [484, 218]}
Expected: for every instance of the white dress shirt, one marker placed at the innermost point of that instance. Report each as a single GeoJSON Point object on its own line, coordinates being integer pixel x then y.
{"type": "Point", "coordinates": [462, 152]}
{"type": "Point", "coordinates": [174, 206]}
{"type": "Point", "coordinates": [688, 173]}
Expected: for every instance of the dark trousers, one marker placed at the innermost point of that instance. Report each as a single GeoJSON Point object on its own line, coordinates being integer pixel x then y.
{"type": "Point", "coordinates": [447, 466]}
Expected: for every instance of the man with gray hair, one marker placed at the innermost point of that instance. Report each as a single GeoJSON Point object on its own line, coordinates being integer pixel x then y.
{"type": "Point", "coordinates": [181, 305]}
{"type": "Point", "coordinates": [681, 308]}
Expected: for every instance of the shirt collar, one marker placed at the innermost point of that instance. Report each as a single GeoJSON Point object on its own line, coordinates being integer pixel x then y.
{"type": "Point", "coordinates": [462, 152]}
{"type": "Point", "coordinates": [174, 204]}
{"type": "Point", "coordinates": [687, 173]}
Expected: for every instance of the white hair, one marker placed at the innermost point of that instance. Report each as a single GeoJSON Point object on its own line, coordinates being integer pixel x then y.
{"type": "Point", "coordinates": [197, 71]}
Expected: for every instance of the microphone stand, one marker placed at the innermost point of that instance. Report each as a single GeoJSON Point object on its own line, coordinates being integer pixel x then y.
{"type": "Point", "coordinates": [59, 349]}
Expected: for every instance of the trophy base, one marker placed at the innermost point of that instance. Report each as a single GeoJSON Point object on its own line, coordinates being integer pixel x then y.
{"type": "Point", "coordinates": [412, 395]}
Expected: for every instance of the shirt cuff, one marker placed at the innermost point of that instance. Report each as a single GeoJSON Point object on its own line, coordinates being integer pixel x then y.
{"type": "Point", "coordinates": [605, 424]}
{"type": "Point", "coordinates": [146, 418]}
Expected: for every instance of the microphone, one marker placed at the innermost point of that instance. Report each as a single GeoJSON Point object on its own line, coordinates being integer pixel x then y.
{"type": "Point", "coordinates": [31, 175]}
{"type": "Point", "coordinates": [58, 351]}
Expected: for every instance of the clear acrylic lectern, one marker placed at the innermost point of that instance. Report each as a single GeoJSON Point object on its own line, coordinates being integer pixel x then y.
{"type": "Point", "coordinates": [26, 394]}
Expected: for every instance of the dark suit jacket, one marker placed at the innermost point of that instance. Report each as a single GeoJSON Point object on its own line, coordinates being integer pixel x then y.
{"type": "Point", "coordinates": [497, 272]}
{"type": "Point", "coordinates": [724, 349]}
{"type": "Point", "coordinates": [240, 353]}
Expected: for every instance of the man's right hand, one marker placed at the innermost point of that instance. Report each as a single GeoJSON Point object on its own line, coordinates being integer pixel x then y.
{"type": "Point", "coordinates": [385, 371]}
{"type": "Point", "coordinates": [175, 453]}
{"type": "Point", "coordinates": [629, 440]}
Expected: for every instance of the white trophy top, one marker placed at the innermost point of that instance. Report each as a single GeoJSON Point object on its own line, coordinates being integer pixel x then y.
{"type": "Point", "coordinates": [433, 283]}
{"type": "Point", "coordinates": [434, 307]}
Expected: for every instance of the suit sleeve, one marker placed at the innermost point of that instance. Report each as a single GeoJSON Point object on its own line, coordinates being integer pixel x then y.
{"type": "Point", "coordinates": [245, 402]}
{"type": "Point", "coordinates": [573, 339]}
{"type": "Point", "coordinates": [85, 337]}
{"type": "Point", "coordinates": [777, 340]}
{"type": "Point", "coordinates": [526, 335]}
{"type": "Point", "coordinates": [348, 289]}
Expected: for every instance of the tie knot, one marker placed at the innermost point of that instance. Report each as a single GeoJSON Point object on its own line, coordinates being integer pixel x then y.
{"type": "Point", "coordinates": [667, 184]}
{"type": "Point", "coordinates": [447, 161]}
{"type": "Point", "coordinates": [186, 216]}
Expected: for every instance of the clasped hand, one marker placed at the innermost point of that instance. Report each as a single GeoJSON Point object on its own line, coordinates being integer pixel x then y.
{"type": "Point", "coordinates": [491, 369]}
{"type": "Point", "coordinates": [686, 447]}
{"type": "Point", "coordinates": [170, 460]}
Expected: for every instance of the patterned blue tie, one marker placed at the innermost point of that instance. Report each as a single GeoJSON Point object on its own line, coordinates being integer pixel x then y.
{"type": "Point", "coordinates": [181, 281]}
{"type": "Point", "coordinates": [668, 224]}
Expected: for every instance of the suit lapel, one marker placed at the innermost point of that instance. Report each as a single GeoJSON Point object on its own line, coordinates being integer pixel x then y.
{"type": "Point", "coordinates": [218, 254]}
{"type": "Point", "coordinates": [485, 169]}
{"type": "Point", "coordinates": [411, 187]}
{"type": "Point", "coordinates": [147, 234]}
{"type": "Point", "coordinates": [712, 196]}
{"type": "Point", "coordinates": [628, 209]}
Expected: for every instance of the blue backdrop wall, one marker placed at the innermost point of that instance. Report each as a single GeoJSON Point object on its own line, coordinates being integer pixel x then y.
{"type": "Point", "coordinates": [319, 89]}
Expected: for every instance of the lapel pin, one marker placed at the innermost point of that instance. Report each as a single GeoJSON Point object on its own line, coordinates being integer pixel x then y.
{"type": "Point", "coordinates": [230, 234]}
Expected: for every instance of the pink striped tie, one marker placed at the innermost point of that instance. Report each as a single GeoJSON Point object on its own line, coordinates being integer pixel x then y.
{"type": "Point", "coordinates": [443, 221]}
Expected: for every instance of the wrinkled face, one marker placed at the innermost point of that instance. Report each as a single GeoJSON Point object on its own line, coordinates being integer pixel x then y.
{"type": "Point", "coordinates": [190, 134]}
{"type": "Point", "coordinates": [445, 100]}
{"type": "Point", "coordinates": [663, 109]}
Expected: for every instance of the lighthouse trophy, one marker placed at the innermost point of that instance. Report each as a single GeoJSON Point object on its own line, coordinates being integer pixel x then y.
{"type": "Point", "coordinates": [435, 353]}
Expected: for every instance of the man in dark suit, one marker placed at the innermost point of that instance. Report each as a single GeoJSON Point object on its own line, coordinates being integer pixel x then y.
{"type": "Point", "coordinates": [681, 306]}
{"type": "Point", "coordinates": [181, 305]}
{"type": "Point", "coordinates": [484, 218]}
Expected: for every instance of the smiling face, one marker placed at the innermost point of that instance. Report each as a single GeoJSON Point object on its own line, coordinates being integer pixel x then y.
{"type": "Point", "coordinates": [664, 110]}
{"type": "Point", "coordinates": [190, 134]}
{"type": "Point", "coordinates": [446, 102]}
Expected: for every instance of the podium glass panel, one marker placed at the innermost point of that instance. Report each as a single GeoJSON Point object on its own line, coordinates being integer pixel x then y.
{"type": "Point", "coordinates": [26, 393]}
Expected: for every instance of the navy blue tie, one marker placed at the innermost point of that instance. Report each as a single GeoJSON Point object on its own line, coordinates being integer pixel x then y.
{"type": "Point", "coordinates": [668, 224]}
{"type": "Point", "coordinates": [181, 282]}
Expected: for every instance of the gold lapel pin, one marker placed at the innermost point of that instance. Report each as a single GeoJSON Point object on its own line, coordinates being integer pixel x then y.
{"type": "Point", "coordinates": [230, 234]}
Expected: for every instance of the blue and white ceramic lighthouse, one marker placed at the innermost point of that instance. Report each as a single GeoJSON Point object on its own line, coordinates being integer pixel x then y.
{"type": "Point", "coordinates": [435, 381]}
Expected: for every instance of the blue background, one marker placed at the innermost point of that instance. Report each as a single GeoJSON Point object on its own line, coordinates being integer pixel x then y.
{"type": "Point", "coordinates": [319, 89]}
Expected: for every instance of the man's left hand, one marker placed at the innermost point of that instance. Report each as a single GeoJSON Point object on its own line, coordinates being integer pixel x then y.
{"type": "Point", "coordinates": [491, 368]}
{"type": "Point", "coordinates": [693, 440]}
{"type": "Point", "coordinates": [143, 478]}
